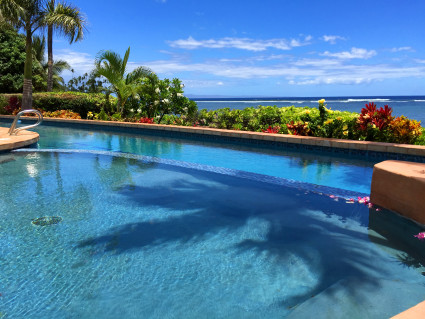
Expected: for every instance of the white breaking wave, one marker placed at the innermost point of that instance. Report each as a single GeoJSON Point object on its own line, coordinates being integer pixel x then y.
{"type": "Point", "coordinates": [268, 101]}
{"type": "Point", "coordinates": [366, 100]}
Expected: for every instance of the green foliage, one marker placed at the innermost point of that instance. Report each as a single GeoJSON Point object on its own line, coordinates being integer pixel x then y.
{"type": "Point", "coordinates": [12, 60]}
{"type": "Point", "coordinates": [112, 67]}
{"type": "Point", "coordinates": [157, 98]}
{"type": "Point", "coordinates": [80, 103]}
{"type": "Point", "coordinates": [421, 139]}
{"type": "Point", "coordinates": [319, 122]}
{"type": "Point", "coordinates": [3, 104]}
{"type": "Point", "coordinates": [40, 68]}
{"type": "Point", "coordinates": [87, 83]}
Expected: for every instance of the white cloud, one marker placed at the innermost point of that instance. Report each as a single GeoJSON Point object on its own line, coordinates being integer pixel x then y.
{"type": "Point", "coordinates": [80, 62]}
{"type": "Point", "coordinates": [201, 83]}
{"type": "Point", "coordinates": [355, 53]}
{"type": "Point", "coordinates": [402, 49]}
{"type": "Point", "coordinates": [297, 71]}
{"type": "Point", "coordinates": [332, 38]}
{"type": "Point", "coordinates": [239, 43]}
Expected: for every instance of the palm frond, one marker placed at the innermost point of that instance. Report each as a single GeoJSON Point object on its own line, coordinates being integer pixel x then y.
{"type": "Point", "coordinates": [68, 20]}
{"type": "Point", "coordinates": [124, 61]}
{"type": "Point", "coordinates": [59, 66]}
{"type": "Point", "coordinates": [110, 60]}
{"type": "Point", "coordinates": [39, 48]}
{"type": "Point", "coordinates": [138, 73]}
{"type": "Point", "coordinates": [12, 11]}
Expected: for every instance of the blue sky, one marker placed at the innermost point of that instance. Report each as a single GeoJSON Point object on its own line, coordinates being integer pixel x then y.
{"type": "Point", "coordinates": [263, 48]}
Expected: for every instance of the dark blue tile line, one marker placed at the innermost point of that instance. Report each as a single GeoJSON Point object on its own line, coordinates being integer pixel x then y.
{"type": "Point", "coordinates": [319, 189]}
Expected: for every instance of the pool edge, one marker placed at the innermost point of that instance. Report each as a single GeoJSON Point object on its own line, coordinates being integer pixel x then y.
{"type": "Point", "coordinates": [362, 146]}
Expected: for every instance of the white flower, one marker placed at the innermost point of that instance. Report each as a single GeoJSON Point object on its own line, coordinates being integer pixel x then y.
{"type": "Point", "coordinates": [157, 116]}
{"type": "Point", "coordinates": [156, 103]}
{"type": "Point", "coordinates": [139, 110]}
{"type": "Point", "coordinates": [131, 110]}
{"type": "Point", "coordinates": [180, 94]}
{"type": "Point", "coordinates": [166, 101]}
{"type": "Point", "coordinates": [185, 109]}
{"type": "Point", "coordinates": [182, 85]}
{"type": "Point", "coordinates": [157, 90]}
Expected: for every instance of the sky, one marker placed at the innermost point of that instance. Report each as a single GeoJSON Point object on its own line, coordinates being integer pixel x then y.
{"type": "Point", "coordinates": [277, 48]}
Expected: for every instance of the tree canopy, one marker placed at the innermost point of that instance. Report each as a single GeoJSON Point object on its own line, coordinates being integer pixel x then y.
{"type": "Point", "coordinates": [12, 59]}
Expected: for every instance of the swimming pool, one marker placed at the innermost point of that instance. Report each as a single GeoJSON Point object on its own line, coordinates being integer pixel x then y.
{"type": "Point", "coordinates": [161, 237]}
{"type": "Point", "coordinates": [333, 170]}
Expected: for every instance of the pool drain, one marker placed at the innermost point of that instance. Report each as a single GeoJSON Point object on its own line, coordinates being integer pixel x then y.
{"type": "Point", "coordinates": [46, 220]}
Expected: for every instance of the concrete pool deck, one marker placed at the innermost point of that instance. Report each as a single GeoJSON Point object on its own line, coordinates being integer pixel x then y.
{"type": "Point", "coordinates": [22, 139]}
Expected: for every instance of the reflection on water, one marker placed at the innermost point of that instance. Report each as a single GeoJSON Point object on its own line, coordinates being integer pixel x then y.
{"type": "Point", "coordinates": [395, 235]}
{"type": "Point", "coordinates": [307, 166]}
{"type": "Point", "coordinates": [139, 237]}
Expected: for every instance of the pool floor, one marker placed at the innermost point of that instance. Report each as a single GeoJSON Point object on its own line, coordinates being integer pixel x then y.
{"type": "Point", "coordinates": [153, 240]}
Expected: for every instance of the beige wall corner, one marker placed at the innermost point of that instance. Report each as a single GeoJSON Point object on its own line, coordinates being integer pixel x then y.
{"type": "Point", "coordinates": [416, 312]}
{"type": "Point", "coordinates": [400, 186]}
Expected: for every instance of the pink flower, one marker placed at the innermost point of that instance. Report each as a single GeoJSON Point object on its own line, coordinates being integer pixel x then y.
{"type": "Point", "coordinates": [420, 236]}
{"type": "Point", "coordinates": [370, 205]}
{"type": "Point", "coordinates": [378, 209]}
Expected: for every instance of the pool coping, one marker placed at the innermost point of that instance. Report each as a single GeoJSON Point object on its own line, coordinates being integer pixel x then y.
{"type": "Point", "coordinates": [394, 148]}
{"type": "Point", "coordinates": [21, 139]}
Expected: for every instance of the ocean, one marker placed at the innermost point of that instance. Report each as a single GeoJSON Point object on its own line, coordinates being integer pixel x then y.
{"type": "Point", "coordinates": [412, 107]}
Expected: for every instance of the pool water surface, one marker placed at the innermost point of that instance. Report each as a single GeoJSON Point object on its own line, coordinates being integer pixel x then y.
{"type": "Point", "coordinates": [148, 239]}
{"type": "Point", "coordinates": [345, 172]}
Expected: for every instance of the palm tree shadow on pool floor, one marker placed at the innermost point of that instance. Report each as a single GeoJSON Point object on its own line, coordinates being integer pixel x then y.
{"type": "Point", "coordinates": [310, 226]}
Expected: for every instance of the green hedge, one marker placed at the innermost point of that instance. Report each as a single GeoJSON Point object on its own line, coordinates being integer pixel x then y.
{"type": "Point", "coordinates": [81, 103]}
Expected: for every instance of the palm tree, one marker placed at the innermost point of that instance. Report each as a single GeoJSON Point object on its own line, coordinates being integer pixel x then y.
{"type": "Point", "coordinates": [111, 66]}
{"type": "Point", "coordinates": [39, 45]}
{"type": "Point", "coordinates": [30, 16]}
{"type": "Point", "coordinates": [69, 22]}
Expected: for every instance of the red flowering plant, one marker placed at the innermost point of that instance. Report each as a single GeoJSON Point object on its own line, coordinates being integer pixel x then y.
{"type": "Point", "coordinates": [14, 105]}
{"type": "Point", "coordinates": [373, 123]}
{"type": "Point", "coordinates": [272, 130]}
{"type": "Point", "coordinates": [299, 128]}
{"type": "Point", "coordinates": [146, 120]}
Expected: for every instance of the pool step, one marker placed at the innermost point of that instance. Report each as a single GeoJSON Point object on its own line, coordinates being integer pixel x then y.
{"type": "Point", "coordinates": [400, 186]}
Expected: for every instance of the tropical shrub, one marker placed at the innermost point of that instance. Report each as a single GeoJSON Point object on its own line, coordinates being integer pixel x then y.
{"type": "Point", "coordinates": [62, 114]}
{"type": "Point", "coordinates": [14, 105]}
{"type": "Point", "coordinates": [299, 128]}
{"type": "Point", "coordinates": [3, 104]}
{"type": "Point", "coordinates": [405, 130]}
{"type": "Point", "coordinates": [373, 122]}
{"type": "Point", "coordinates": [157, 98]}
{"type": "Point", "coordinates": [111, 66]}
{"type": "Point", "coordinates": [272, 130]}
{"type": "Point", "coordinates": [146, 120]}
{"type": "Point", "coordinates": [80, 103]}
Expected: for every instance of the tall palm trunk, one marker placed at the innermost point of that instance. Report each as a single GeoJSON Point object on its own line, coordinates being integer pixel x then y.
{"type": "Point", "coordinates": [27, 92]}
{"type": "Point", "coordinates": [49, 58]}
{"type": "Point", "coordinates": [50, 51]}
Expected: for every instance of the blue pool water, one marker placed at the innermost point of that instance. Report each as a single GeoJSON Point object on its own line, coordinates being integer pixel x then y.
{"type": "Point", "coordinates": [166, 227]}
{"type": "Point", "coordinates": [150, 239]}
{"type": "Point", "coordinates": [318, 168]}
